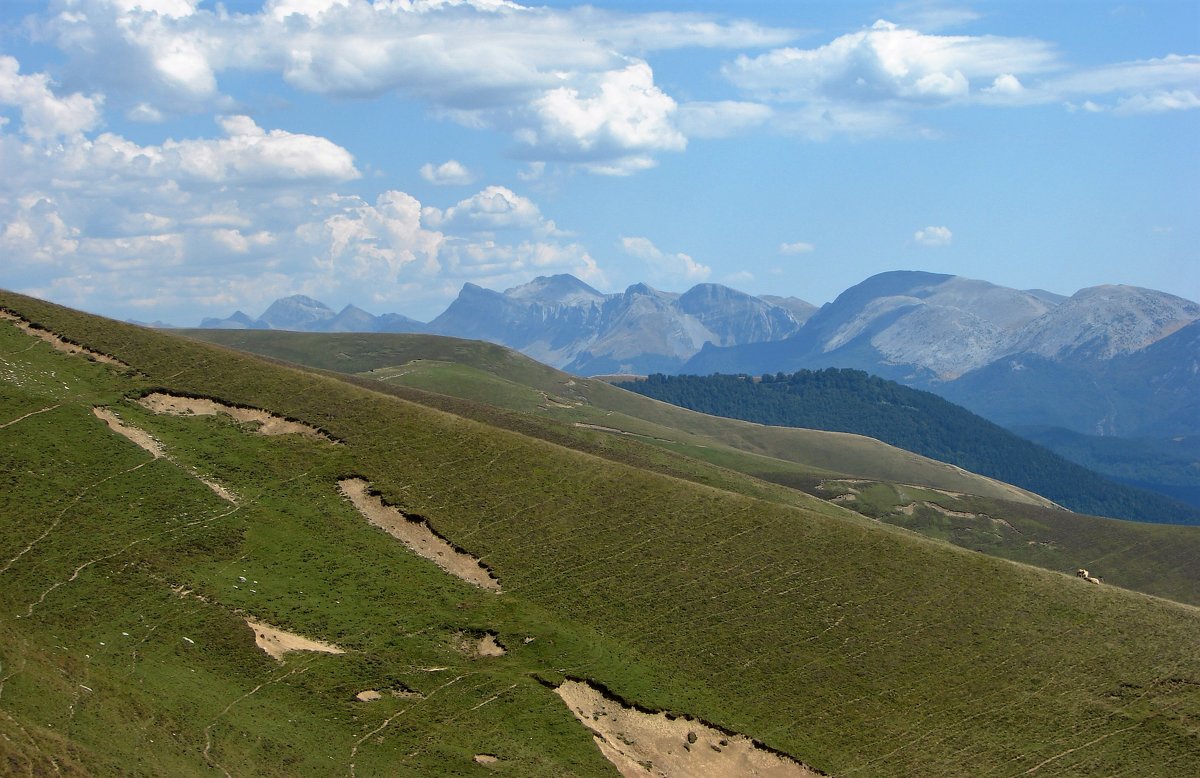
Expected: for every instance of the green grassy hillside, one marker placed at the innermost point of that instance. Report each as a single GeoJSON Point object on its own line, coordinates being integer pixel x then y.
{"type": "Point", "coordinates": [853, 646]}
{"type": "Point", "coordinates": [470, 379]}
{"type": "Point", "coordinates": [496, 375]}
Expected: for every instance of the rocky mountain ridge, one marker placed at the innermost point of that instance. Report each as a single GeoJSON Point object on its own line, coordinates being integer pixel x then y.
{"type": "Point", "coordinates": [1108, 360]}
{"type": "Point", "coordinates": [564, 322]}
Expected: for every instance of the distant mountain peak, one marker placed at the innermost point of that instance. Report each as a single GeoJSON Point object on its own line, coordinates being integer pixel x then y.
{"type": "Point", "coordinates": [642, 289]}
{"type": "Point", "coordinates": [561, 289]}
{"type": "Point", "coordinates": [1107, 320]}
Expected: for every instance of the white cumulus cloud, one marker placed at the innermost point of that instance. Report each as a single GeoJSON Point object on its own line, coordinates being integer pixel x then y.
{"type": "Point", "coordinates": [799, 247]}
{"type": "Point", "coordinates": [888, 62]}
{"type": "Point", "coordinates": [678, 266]}
{"type": "Point", "coordinates": [565, 84]}
{"type": "Point", "coordinates": [620, 113]}
{"type": "Point", "coordinates": [491, 209]}
{"type": "Point", "coordinates": [449, 173]}
{"type": "Point", "coordinates": [44, 114]}
{"type": "Point", "coordinates": [247, 154]}
{"type": "Point", "coordinates": [933, 236]}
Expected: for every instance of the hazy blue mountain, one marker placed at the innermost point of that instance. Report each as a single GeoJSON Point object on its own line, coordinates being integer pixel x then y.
{"type": "Point", "coordinates": [801, 310]}
{"type": "Point", "coordinates": [304, 314]}
{"type": "Point", "coordinates": [563, 322]}
{"type": "Point", "coordinates": [238, 321]}
{"type": "Point", "coordinates": [1151, 392]}
{"type": "Point", "coordinates": [906, 325]}
{"type": "Point", "coordinates": [1113, 360]}
{"type": "Point", "coordinates": [1108, 360]}
{"type": "Point", "coordinates": [297, 313]}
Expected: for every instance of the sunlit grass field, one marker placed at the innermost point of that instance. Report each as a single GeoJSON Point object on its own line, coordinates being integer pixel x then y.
{"type": "Point", "coordinates": [856, 647]}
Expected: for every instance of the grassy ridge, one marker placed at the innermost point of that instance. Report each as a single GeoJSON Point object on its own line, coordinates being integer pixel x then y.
{"type": "Point", "coordinates": [490, 373]}
{"type": "Point", "coordinates": [470, 378]}
{"type": "Point", "coordinates": [856, 647]}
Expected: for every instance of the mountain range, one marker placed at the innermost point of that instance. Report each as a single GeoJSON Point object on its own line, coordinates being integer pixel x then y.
{"type": "Point", "coordinates": [564, 322]}
{"type": "Point", "coordinates": [1108, 360]}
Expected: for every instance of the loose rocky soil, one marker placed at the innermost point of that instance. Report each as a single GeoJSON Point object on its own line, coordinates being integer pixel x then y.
{"type": "Point", "coordinates": [278, 642]}
{"type": "Point", "coordinates": [268, 423]}
{"type": "Point", "coordinates": [417, 536]}
{"type": "Point", "coordinates": [652, 744]}
{"type": "Point", "coordinates": [59, 343]}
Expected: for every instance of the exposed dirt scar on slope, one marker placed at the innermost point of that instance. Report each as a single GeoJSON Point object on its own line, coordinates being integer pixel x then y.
{"type": "Point", "coordinates": [476, 647]}
{"type": "Point", "coordinates": [143, 439]}
{"type": "Point", "coordinates": [137, 436]}
{"type": "Point", "coordinates": [277, 642]}
{"type": "Point", "coordinates": [952, 513]}
{"type": "Point", "coordinates": [417, 535]}
{"type": "Point", "coordinates": [652, 744]}
{"type": "Point", "coordinates": [268, 423]}
{"type": "Point", "coordinates": [57, 342]}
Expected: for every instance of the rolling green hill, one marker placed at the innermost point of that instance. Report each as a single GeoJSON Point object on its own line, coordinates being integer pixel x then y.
{"type": "Point", "coordinates": [488, 373]}
{"type": "Point", "coordinates": [853, 401]}
{"type": "Point", "coordinates": [471, 378]}
{"type": "Point", "coordinates": [126, 580]}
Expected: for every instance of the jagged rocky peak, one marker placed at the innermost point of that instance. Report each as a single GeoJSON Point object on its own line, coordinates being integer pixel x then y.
{"type": "Point", "coordinates": [562, 289]}
{"type": "Point", "coordinates": [297, 312]}
{"type": "Point", "coordinates": [736, 317]}
{"type": "Point", "coordinates": [801, 310]}
{"type": "Point", "coordinates": [645, 290]}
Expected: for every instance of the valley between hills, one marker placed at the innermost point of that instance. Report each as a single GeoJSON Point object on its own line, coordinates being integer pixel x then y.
{"type": "Point", "coordinates": [207, 595]}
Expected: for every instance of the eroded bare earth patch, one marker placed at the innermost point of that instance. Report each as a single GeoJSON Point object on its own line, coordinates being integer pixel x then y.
{"type": "Point", "coordinates": [417, 536]}
{"type": "Point", "coordinates": [652, 744]}
{"type": "Point", "coordinates": [137, 436]}
{"type": "Point", "coordinates": [952, 513]}
{"type": "Point", "coordinates": [268, 423]}
{"type": "Point", "coordinates": [278, 642]}
{"type": "Point", "coordinates": [57, 342]}
{"type": "Point", "coordinates": [476, 647]}
{"type": "Point", "coordinates": [146, 441]}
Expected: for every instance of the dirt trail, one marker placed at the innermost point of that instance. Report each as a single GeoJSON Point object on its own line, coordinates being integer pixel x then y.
{"type": "Point", "coordinates": [417, 536]}
{"type": "Point", "coordinates": [57, 342]}
{"type": "Point", "coordinates": [269, 423]}
{"type": "Point", "coordinates": [26, 416]}
{"type": "Point", "coordinates": [651, 744]}
{"type": "Point", "coordinates": [278, 642]}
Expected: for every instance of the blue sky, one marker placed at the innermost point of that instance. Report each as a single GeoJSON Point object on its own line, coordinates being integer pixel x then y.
{"type": "Point", "coordinates": [172, 159]}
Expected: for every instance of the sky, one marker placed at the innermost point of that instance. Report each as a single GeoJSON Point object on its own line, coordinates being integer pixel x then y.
{"type": "Point", "coordinates": [167, 160]}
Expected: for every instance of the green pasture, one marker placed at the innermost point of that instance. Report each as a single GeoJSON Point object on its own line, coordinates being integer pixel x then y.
{"type": "Point", "coordinates": [857, 647]}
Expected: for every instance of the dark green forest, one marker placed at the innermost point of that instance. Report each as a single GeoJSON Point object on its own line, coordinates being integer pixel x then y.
{"type": "Point", "coordinates": [843, 400]}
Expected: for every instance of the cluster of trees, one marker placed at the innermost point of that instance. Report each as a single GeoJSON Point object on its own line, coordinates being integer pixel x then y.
{"type": "Point", "coordinates": [843, 400]}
